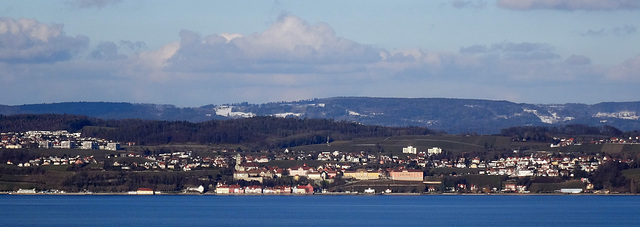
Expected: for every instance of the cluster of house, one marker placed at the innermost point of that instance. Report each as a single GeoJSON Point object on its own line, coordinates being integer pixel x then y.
{"type": "Point", "coordinates": [362, 157]}
{"type": "Point", "coordinates": [563, 142]}
{"type": "Point", "coordinates": [513, 187]}
{"type": "Point", "coordinates": [250, 171]}
{"type": "Point", "coordinates": [328, 172]}
{"type": "Point", "coordinates": [182, 160]}
{"type": "Point", "coordinates": [351, 165]}
{"type": "Point", "coordinates": [255, 189]}
{"type": "Point", "coordinates": [248, 164]}
{"type": "Point", "coordinates": [150, 191]}
{"type": "Point", "coordinates": [414, 150]}
{"type": "Point", "coordinates": [55, 161]}
{"type": "Point", "coordinates": [53, 139]}
{"type": "Point", "coordinates": [541, 166]}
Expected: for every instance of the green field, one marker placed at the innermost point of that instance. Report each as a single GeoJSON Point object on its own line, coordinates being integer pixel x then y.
{"type": "Point", "coordinates": [59, 177]}
{"type": "Point", "coordinates": [451, 143]}
{"type": "Point", "coordinates": [484, 180]}
{"type": "Point", "coordinates": [632, 174]}
{"type": "Point", "coordinates": [551, 187]}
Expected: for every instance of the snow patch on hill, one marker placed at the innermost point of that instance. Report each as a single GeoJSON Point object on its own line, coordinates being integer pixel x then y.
{"type": "Point", "coordinates": [227, 111]}
{"type": "Point", "coordinates": [354, 113]}
{"type": "Point", "coordinates": [552, 118]}
{"type": "Point", "coordinates": [627, 115]}
{"type": "Point", "coordinates": [284, 115]}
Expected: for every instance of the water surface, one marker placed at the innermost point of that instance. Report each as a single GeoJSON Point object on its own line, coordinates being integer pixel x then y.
{"type": "Point", "coordinates": [209, 210]}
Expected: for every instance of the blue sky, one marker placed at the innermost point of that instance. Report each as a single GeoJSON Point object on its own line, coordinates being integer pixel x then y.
{"type": "Point", "coordinates": [193, 53]}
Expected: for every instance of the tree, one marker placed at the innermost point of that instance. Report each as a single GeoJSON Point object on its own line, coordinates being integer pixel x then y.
{"type": "Point", "coordinates": [578, 173]}
{"type": "Point", "coordinates": [609, 175]}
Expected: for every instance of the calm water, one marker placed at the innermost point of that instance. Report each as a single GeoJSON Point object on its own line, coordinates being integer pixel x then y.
{"type": "Point", "coordinates": [465, 210]}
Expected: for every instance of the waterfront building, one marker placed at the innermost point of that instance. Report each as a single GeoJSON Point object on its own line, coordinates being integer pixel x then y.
{"type": "Point", "coordinates": [144, 191]}
{"type": "Point", "coordinates": [362, 174]}
{"type": "Point", "coordinates": [407, 175]}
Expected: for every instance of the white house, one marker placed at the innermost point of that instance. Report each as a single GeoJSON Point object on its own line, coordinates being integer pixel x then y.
{"type": "Point", "coordinates": [409, 150]}
{"type": "Point", "coordinates": [113, 146]}
{"type": "Point", "coordinates": [434, 151]}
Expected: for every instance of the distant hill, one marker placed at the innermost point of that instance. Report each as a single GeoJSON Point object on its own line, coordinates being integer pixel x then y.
{"type": "Point", "coordinates": [111, 110]}
{"type": "Point", "coordinates": [450, 115]}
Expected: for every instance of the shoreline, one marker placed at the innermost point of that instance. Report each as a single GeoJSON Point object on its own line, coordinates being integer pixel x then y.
{"type": "Point", "coordinates": [327, 194]}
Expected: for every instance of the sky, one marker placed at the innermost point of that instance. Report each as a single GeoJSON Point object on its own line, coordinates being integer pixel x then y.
{"type": "Point", "coordinates": [193, 53]}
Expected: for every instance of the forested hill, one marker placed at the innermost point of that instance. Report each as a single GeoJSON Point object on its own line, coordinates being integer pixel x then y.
{"type": "Point", "coordinates": [112, 110]}
{"type": "Point", "coordinates": [450, 115]}
{"type": "Point", "coordinates": [259, 132]}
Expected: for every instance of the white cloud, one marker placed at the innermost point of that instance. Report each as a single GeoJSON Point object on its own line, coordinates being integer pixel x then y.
{"type": "Point", "coordinates": [92, 3]}
{"type": "Point", "coordinates": [627, 71]}
{"type": "Point", "coordinates": [460, 4]}
{"type": "Point", "coordinates": [292, 52]}
{"type": "Point", "coordinates": [578, 60]}
{"type": "Point", "coordinates": [290, 45]}
{"type": "Point", "coordinates": [514, 51]}
{"type": "Point", "coordinates": [293, 55]}
{"type": "Point", "coordinates": [570, 4]}
{"type": "Point", "coordinates": [230, 36]}
{"type": "Point", "coordinates": [617, 31]}
{"type": "Point", "coordinates": [153, 63]}
{"type": "Point", "coordinates": [290, 60]}
{"type": "Point", "coordinates": [523, 62]}
{"type": "Point", "coordinates": [131, 45]}
{"type": "Point", "coordinates": [106, 51]}
{"type": "Point", "coordinates": [29, 41]}
{"type": "Point", "coordinates": [624, 30]}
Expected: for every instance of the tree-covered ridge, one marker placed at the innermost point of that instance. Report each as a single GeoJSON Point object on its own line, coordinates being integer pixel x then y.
{"type": "Point", "coordinates": [450, 115]}
{"type": "Point", "coordinates": [263, 132]}
{"type": "Point", "coordinates": [48, 122]}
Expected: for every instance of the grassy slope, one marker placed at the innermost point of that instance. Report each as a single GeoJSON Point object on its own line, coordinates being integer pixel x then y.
{"type": "Point", "coordinates": [451, 143]}
{"type": "Point", "coordinates": [632, 174]}
{"type": "Point", "coordinates": [551, 187]}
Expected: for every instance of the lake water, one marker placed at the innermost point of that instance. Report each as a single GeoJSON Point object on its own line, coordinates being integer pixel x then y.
{"type": "Point", "coordinates": [209, 210]}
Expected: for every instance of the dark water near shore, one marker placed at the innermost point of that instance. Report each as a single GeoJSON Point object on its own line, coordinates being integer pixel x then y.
{"type": "Point", "coordinates": [437, 210]}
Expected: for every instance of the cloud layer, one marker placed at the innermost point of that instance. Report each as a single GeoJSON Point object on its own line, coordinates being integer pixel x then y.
{"type": "Point", "coordinates": [570, 4]}
{"type": "Point", "coordinates": [28, 41]}
{"type": "Point", "coordinates": [460, 4]}
{"type": "Point", "coordinates": [290, 60]}
{"type": "Point", "coordinates": [290, 45]}
{"type": "Point", "coordinates": [617, 31]}
{"type": "Point", "coordinates": [92, 3]}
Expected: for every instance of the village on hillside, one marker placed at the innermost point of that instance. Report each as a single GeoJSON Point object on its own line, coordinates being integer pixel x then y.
{"type": "Point", "coordinates": [414, 170]}
{"type": "Point", "coordinates": [54, 139]}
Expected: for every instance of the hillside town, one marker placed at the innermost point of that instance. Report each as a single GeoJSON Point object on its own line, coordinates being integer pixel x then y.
{"type": "Point", "coordinates": [290, 171]}
{"type": "Point", "coordinates": [251, 172]}
{"type": "Point", "coordinates": [563, 142]}
{"type": "Point", "coordinates": [54, 139]}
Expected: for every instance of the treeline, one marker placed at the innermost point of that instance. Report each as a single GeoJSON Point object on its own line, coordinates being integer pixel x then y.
{"type": "Point", "coordinates": [122, 181]}
{"type": "Point", "coordinates": [263, 132]}
{"type": "Point", "coordinates": [46, 122]}
{"type": "Point", "coordinates": [546, 134]}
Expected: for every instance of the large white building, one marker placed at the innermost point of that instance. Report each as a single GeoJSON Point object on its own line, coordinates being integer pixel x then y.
{"type": "Point", "coordinates": [89, 145]}
{"type": "Point", "coordinates": [113, 146]}
{"type": "Point", "coordinates": [434, 151]}
{"type": "Point", "coordinates": [409, 150]}
{"type": "Point", "coordinates": [67, 144]}
{"type": "Point", "coordinates": [45, 144]}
